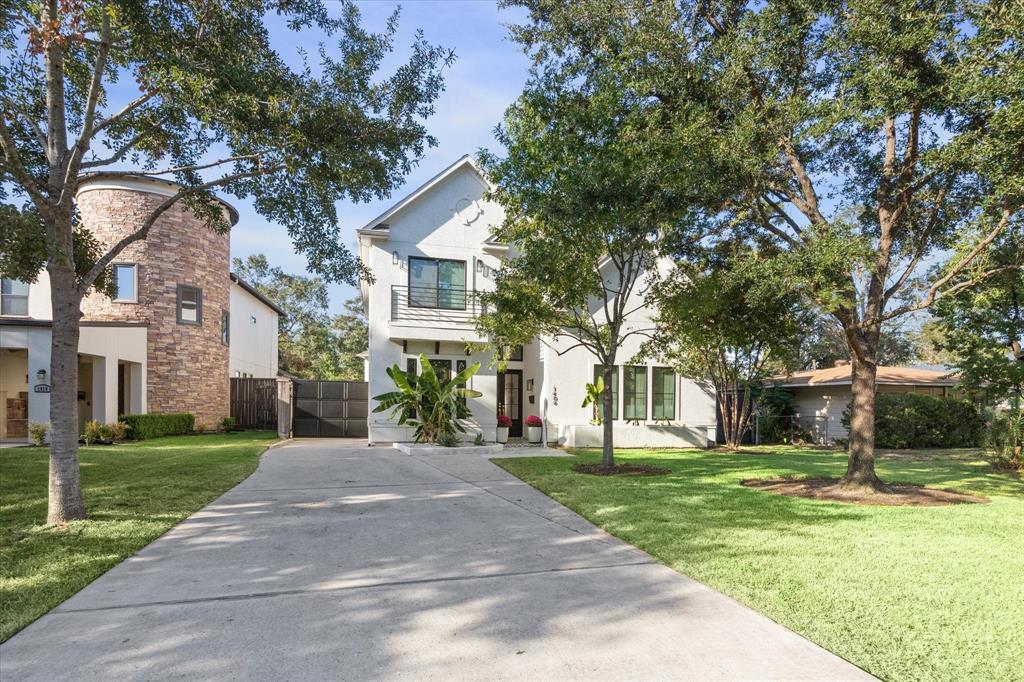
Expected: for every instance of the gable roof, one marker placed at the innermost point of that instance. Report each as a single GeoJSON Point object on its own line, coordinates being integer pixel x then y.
{"type": "Point", "coordinates": [379, 224]}
{"type": "Point", "coordinates": [258, 294]}
{"type": "Point", "coordinates": [898, 376]}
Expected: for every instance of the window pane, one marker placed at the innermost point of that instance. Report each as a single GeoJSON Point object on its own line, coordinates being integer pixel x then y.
{"type": "Point", "coordinates": [13, 297]}
{"type": "Point", "coordinates": [423, 282]}
{"type": "Point", "coordinates": [190, 304]}
{"type": "Point", "coordinates": [451, 284]}
{"type": "Point", "coordinates": [443, 370]}
{"type": "Point", "coordinates": [598, 373]}
{"type": "Point", "coordinates": [664, 393]}
{"type": "Point", "coordinates": [225, 327]}
{"type": "Point", "coordinates": [634, 405]}
{"type": "Point", "coordinates": [124, 278]}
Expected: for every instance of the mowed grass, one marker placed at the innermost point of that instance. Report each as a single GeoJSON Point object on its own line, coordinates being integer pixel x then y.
{"type": "Point", "coordinates": [907, 593]}
{"type": "Point", "coordinates": [134, 493]}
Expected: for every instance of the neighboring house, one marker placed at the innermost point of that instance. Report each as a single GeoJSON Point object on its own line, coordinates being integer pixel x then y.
{"type": "Point", "coordinates": [178, 327]}
{"type": "Point", "coordinates": [431, 255]}
{"type": "Point", "coordinates": [822, 395]}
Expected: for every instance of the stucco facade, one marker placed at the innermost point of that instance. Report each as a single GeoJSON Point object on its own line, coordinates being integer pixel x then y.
{"type": "Point", "coordinates": [448, 220]}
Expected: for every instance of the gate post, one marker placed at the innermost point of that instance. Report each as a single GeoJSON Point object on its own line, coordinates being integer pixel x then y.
{"type": "Point", "coordinates": [284, 407]}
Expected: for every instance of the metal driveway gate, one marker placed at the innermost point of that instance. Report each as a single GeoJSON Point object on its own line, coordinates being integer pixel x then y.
{"type": "Point", "coordinates": [330, 409]}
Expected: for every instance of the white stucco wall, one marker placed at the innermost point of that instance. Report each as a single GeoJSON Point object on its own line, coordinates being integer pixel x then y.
{"type": "Point", "coordinates": [253, 325]}
{"type": "Point", "coordinates": [452, 221]}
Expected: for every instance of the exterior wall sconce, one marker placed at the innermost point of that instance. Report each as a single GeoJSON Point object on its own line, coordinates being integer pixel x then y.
{"type": "Point", "coordinates": [394, 258]}
{"type": "Point", "coordinates": [480, 266]}
{"type": "Point", "coordinates": [529, 384]}
{"type": "Point", "coordinates": [41, 376]}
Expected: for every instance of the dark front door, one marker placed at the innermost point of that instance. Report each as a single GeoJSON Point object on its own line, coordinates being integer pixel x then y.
{"type": "Point", "coordinates": [510, 399]}
{"type": "Point", "coordinates": [330, 409]}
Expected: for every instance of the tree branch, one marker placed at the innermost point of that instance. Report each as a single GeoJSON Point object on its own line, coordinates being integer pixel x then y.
{"type": "Point", "coordinates": [17, 169]}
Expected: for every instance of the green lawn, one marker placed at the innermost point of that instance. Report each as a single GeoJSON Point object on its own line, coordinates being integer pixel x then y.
{"type": "Point", "coordinates": [134, 492]}
{"type": "Point", "coordinates": [905, 593]}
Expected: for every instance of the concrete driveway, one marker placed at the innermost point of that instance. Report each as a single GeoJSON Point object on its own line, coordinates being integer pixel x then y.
{"type": "Point", "coordinates": [341, 562]}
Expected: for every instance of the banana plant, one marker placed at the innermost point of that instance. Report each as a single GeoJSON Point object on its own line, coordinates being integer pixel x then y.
{"type": "Point", "coordinates": [595, 392]}
{"type": "Point", "coordinates": [432, 406]}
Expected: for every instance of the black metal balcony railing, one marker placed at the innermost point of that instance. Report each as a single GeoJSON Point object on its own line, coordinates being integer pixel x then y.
{"type": "Point", "coordinates": [430, 305]}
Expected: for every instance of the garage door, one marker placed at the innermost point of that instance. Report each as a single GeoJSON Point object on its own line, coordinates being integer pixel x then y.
{"type": "Point", "coordinates": [330, 409]}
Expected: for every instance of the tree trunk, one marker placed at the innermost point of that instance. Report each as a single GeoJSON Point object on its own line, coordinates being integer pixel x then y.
{"type": "Point", "coordinates": [607, 446]}
{"type": "Point", "coordinates": [860, 469]}
{"type": "Point", "coordinates": [66, 501]}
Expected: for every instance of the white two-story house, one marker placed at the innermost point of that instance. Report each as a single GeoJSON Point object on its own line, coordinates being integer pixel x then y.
{"type": "Point", "coordinates": [431, 255]}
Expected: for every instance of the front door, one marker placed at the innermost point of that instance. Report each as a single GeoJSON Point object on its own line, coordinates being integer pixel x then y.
{"type": "Point", "coordinates": [510, 399]}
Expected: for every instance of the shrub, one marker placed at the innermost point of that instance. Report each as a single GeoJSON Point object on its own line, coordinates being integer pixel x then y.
{"type": "Point", "coordinates": [504, 420]}
{"type": "Point", "coordinates": [1005, 436]}
{"type": "Point", "coordinates": [227, 424]}
{"type": "Point", "coordinates": [534, 420]}
{"type": "Point", "coordinates": [911, 420]}
{"type": "Point", "coordinates": [155, 425]}
{"type": "Point", "coordinates": [93, 432]}
{"type": "Point", "coordinates": [479, 440]}
{"type": "Point", "coordinates": [37, 431]}
{"type": "Point", "coordinates": [448, 439]}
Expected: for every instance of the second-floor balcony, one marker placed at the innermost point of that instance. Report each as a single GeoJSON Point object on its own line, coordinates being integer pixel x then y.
{"type": "Point", "coordinates": [435, 307]}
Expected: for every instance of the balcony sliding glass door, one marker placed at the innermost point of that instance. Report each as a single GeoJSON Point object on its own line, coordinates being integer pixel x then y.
{"type": "Point", "coordinates": [435, 283]}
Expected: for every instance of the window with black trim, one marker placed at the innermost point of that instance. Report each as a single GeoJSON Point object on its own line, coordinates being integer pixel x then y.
{"type": "Point", "coordinates": [599, 374]}
{"type": "Point", "coordinates": [225, 327]}
{"type": "Point", "coordinates": [126, 283]}
{"type": "Point", "coordinates": [437, 283]}
{"type": "Point", "coordinates": [460, 366]}
{"type": "Point", "coordinates": [13, 297]}
{"type": "Point", "coordinates": [190, 304]}
{"type": "Point", "coordinates": [634, 393]}
{"type": "Point", "coordinates": [514, 353]}
{"type": "Point", "coordinates": [663, 393]}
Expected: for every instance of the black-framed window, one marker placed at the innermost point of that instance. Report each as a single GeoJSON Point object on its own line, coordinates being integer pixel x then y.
{"type": "Point", "coordinates": [410, 369]}
{"type": "Point", "coordinates": [190, 304]}
{"type": "Point", "coordinates": [663, 393]}
{"type": "Point", "coordinates": [634, 393]}
{"type": "Point", "coordinates": [442, 368]}
{"type": "Point", "coordinates": [225, 327]}
{"type": "Point", "coordinates": [515, 353]}
{"type": "Point", "coordinates": [126, 282]}
{"type": "Point", "coordinates": [13, 297]}
{"type": "Point", "coordinates": [437, 283]}
{"type": "Point", "coordinates": [599, 409]}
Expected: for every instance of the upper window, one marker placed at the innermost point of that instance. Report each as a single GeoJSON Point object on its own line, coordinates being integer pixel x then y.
{"type": "Point", "coordinates": [225, 327]}
{"type": "Point", "coordinates": [13, 297]}
{"type": "Point", "coordinates": [599, 374]}
{"type": "Point", "coordinates": [511, 353]}
{"type": "Point", "coordinates": [126, 282]}
{"type": "Point", "coordinates": [190, 304]}
{"type": "Point", "coordinates": [435, 283]}
{"type": "Point", "coordinates": [663, 393]}
{"type": "Point", "coordinates": [634, 390]}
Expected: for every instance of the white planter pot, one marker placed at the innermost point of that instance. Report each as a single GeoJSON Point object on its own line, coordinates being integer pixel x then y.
{"type": "Point", "coordinates": [502, 434]}
{"type": "Point", "coordinates": [533, 433]}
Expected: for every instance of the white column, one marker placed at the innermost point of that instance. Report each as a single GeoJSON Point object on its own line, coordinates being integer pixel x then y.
{"type": "Point", "coordinates": [110, 391]}
{"type": "Point", "coordinates": [38, 359]}
{"type": "Point", "coordinates": [136, 389]}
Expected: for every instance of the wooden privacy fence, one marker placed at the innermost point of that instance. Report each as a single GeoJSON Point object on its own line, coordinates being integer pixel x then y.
{"type": "Point", "coordinates": [254, 403]}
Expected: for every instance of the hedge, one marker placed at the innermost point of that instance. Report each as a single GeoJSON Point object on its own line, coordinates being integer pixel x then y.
{"type": "Point", "coordinates": [155, 425]}
{"type": "Point", "coordinates": [912, 420]}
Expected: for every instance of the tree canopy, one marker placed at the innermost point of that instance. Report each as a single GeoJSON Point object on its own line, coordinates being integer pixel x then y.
{"type": "Point", "coordinates": [861, 139]}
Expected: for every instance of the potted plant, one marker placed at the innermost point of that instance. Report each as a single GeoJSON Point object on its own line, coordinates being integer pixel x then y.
{"type": "Point", "coordinates": [533, 428]}
{"type": "Point", "coordinates": [504, 421]}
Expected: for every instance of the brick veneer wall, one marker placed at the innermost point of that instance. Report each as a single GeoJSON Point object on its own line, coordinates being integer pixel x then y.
{"type": "Point", "coordinates": [187, 364]}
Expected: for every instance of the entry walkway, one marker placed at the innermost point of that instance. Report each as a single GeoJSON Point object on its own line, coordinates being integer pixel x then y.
{"type": "Point", "coordinates": [341, 562]}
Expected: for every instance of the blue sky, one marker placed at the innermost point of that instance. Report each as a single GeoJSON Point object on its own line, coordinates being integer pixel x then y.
{"type": "Point", "coordinates": [488, 74]}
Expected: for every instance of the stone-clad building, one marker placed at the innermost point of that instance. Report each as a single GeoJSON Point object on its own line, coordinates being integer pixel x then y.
{"type": "Point", "coordinates": [179, 326]}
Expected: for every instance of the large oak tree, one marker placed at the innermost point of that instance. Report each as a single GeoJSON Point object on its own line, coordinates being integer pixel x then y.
{"type": "Point", "coordinates": [864, 139]}
{"type": "Point", "coordinates": [210, 105]}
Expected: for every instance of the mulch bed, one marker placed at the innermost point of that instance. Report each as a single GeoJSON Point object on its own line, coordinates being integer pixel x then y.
{"type": "Point", "coordinates": [620, 470]}
{"type": "Point", "coordinates": [896, 495]}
